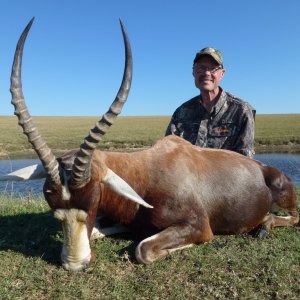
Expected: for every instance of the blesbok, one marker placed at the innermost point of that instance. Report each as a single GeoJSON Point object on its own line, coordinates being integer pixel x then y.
{"type": "Point", "coordinates": [180, 194]}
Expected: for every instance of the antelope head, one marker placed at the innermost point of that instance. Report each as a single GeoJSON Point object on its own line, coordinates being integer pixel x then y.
{"type": "Point", "coordinates": [70, 188]}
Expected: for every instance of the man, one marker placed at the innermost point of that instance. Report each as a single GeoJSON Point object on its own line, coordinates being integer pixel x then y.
{"type": "Point", "coordinates": [215, 118]}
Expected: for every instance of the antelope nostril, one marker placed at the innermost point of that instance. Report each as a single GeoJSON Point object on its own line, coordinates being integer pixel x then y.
{"type": "Point", "coordinates": [65, 266]}
{"type": "Point", "coordinates": [75, 267]}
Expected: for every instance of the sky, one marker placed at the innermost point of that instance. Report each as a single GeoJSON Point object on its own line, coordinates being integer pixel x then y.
{"type": "Point", "coordinates": [74, 55]}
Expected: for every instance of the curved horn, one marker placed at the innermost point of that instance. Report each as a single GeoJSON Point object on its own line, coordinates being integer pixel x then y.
{"type": "Point", "coordinates": [81, 167]}
{"type": "Point", "coordinates": [25, 121]}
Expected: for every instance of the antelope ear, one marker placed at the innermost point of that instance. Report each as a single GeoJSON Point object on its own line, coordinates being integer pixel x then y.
{"type": "Point", "coordinates": [29, 173]}
{"type": "Point", "coordinates": [122, 188]}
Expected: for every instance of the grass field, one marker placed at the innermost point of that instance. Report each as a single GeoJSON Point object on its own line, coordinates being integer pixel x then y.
{"type": "Point", "coordinates": [272, 133]}
{"type": "Point", "coordinates": [230, 267]}
{"type": "Point", "coordinates": [277, 131]}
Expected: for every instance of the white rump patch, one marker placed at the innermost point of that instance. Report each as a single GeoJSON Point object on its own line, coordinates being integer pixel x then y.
{"type": "Point", "coordinates": [122, 188]}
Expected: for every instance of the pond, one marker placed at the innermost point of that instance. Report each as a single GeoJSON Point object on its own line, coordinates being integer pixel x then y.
{"type": "Point", "coordinates": [287, 163]}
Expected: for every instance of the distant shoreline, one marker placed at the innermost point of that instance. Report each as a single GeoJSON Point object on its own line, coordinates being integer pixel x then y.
{"type": "Point", "coordinates": [273, 134]}
{"type": "Point", "coordinates": [295, 149]}
{"type": "Point", "coordinates": [260, 149]}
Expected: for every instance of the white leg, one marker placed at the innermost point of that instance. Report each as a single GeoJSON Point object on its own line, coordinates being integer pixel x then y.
{"type": "Point", "coordinates": [100, 232]}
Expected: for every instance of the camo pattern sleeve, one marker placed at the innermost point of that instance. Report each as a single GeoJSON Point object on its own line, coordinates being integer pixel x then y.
{"type": "Point", "coordinates": [230, 124]}
{"type": "Point", "coordinates": [243, 142]}
{"type": "Point", "coordinates": [185, 120]}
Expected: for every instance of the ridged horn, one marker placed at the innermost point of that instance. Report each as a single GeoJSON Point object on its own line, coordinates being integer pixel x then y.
{"type": "Point", "coordinates": [25, 121]}
{"type": "Point", "coordinates": [81, 168]}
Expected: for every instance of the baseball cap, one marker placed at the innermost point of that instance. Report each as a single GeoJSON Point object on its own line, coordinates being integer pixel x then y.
{"type": "Point", "coordinates": [213, 52]}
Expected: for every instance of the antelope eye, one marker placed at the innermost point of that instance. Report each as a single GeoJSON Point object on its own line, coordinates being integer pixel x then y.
{"type": "Point", "coordinates": [48, 191]}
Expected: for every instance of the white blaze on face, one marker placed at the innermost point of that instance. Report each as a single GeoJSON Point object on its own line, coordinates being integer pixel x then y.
{"type": "Point", "coordinates": [76, 252]}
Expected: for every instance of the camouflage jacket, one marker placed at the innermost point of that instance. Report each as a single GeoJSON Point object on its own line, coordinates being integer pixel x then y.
{"type": "Point", "coordinates": [229, 125]}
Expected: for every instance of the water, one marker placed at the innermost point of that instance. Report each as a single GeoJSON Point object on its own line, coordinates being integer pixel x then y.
{"type": "Point", "coordinates": [287, 163]}
{"type": "Point", "coordinates": [19, 188]}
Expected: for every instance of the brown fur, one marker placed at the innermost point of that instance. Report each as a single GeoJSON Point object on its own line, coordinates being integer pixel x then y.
{"type": "Point", "coordinates": [195, 192]}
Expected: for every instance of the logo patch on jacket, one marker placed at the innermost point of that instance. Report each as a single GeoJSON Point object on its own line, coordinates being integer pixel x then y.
{"type": "Point", "coordinates": [224, 130]}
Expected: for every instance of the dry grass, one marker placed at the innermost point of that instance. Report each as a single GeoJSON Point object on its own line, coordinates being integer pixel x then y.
{"type": "Point", "coordinates": [278, 131]}
{"type": "Point", "coordinates": [272, 132]}
{"type": "Point", "coordinates": [64, 133]}
{"type": "Point", "coordinates": [230, 267]}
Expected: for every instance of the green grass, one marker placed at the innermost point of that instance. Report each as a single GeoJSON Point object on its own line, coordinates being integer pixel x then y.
{"type": "Point", "coordinates": [277, 131]}
{"type": "Point", "coordinates": [272, 133]}
{"type": "Point", "coordinates": [230, 267]}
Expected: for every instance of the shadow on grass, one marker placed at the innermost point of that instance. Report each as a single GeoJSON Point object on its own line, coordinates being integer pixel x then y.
{"type": "Point", "coordinates": [32, 235]}
{"type": "Point", "coordinates": [40, 235]}
{"type": "Point", "coordinates": [127, 251]}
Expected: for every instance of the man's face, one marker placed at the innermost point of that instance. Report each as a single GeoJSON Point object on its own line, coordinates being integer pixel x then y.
{"type": "Point", "coordinates": [207, 73]}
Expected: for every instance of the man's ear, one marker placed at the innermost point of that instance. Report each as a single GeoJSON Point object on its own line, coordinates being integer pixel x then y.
{"type": "Point", "coordinates": [223, 72]}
